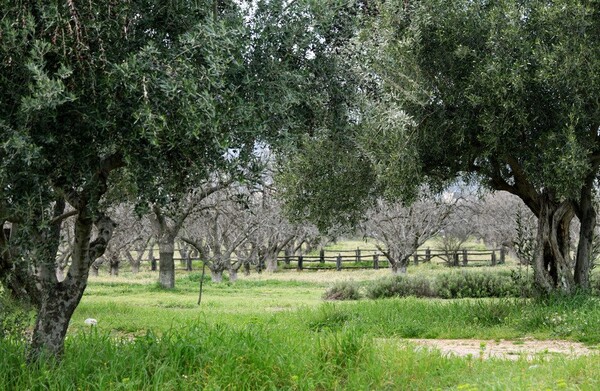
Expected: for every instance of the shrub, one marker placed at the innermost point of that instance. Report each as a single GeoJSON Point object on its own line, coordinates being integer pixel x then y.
{"type": "Point", "coordinates": [401, 286]}
{"type": "Point", "coordinates": [452, 285]}
{"type": "Point", "coordinates": [595, 285]}
{"type": "Point", "coordinates": [196, 276]}
{"type": "Point", "coordinates": [344, 290]}
{"type": "Point", "coordinates": [475, 284]}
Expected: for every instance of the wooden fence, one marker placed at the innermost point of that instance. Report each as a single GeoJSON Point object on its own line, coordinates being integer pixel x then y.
{"type": "Point", "coordinates": [370, 259]}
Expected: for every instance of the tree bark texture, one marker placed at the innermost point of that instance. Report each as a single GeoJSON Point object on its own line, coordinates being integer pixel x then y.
{"type": "Point", "coordinates": [59, 299]}
{"type": "Point", "coordinates": [58, 303]}
{"type": "Point", "coordinates": [587, 218]}
{"type": "Point", "coordinates": [166, 274]}
{"type": "Point", "coordinates": [553, 265]}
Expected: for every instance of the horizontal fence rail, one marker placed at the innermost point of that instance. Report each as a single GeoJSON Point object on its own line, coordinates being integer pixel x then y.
{"type": "Point", "coordinates": [371, 259]}
{"type": "Point", "coordinates": [364, 259]}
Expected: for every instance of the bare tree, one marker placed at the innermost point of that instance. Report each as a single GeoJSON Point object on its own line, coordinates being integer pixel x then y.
{"type": "Point", "coordinates": [218, 232]}
{"type": "Point", "coordinates": [168, 220]}
{"type": "Point", "coordinates": [400, 230]}
{"type": "Point", "coordinates": [275, 231]}
{"type": "Point", "coordinates": [246, 256]}
{"type": "Point", "coordinates": [495, 218]}
{"type": "Point", "coordinates": [459, 227]}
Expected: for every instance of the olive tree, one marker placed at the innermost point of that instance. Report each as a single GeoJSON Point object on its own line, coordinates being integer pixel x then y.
{"type": "Point", "coordinates": [103, 99]}
{"type": "Point", "coordinates": [96, 98]}
{"type": "Point", "coordinates": [218, 229]}
{"type": "Point", "coordinates": [501, 93]}
{"type": "Point", "coordinates": [510, 89]}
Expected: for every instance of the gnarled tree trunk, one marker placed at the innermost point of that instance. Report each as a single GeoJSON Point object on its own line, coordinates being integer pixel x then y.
{"type": "Point", "coordinates": [553, 264]}
{"type": "Point", "coordinates": [58, 302]}
{"type": "Point", "coordinates": [114, 265]}
{"type": "Point", "coordinates": [587, 218]}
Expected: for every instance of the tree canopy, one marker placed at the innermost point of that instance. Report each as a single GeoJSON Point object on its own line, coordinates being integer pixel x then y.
{"type": "Point", "coordinates": [102, 101]}
{"type": "Point", "coordinates": [503, 92]}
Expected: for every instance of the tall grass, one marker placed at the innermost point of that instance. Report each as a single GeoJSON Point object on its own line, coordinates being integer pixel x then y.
{"type": "Point", "coordinates": [573, 318]}
{"type": "Point", "coordinates": [276, 357]}
{"type": "Point", "coordinates": [278, 335]}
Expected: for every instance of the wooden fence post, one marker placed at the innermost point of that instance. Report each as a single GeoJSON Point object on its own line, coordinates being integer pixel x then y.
{"type": "Point", "coordinates": [152, 262]}
{"type": "Point", "coordinates": [322, 256]}
{"type": "Point", "coordinates": [493, 258]}
{"type": "Point", "coordinates": [300, 262]}
{"type": "Point", "coordinates": [376, 261]}
{"type": "Point", "coordinates": [416, 258]}
{"type": "Point", "coordinates": [465, 259]}
{"type": "Point", "coordinates": [357, 255]}
{"type": "Point", "coordinates": [338, 262]}
{"type": "Point", "coordinates": [427, 255]}
{"type": "Point", "coordinates": [502, 255]}
{"type": "Point", "coordinates": [188, 263]}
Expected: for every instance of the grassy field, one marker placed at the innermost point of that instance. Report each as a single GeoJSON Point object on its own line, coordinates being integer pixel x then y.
{"type": "Point", "coordinates": [275, 332]}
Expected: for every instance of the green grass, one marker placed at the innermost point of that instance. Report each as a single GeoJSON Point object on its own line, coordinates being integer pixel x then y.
{"type": "Point", "coordinates": [274, 332]}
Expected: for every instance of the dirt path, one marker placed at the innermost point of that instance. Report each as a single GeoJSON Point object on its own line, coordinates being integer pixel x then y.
{"type": "Point", "coordinates": [510, 350]}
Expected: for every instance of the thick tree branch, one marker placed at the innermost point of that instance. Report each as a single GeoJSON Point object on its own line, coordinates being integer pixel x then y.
{"type": "Point", "coordinates": [64, 216]}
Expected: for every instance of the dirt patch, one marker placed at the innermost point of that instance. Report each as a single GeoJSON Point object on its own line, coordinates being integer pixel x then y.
{"type": "Point", "coordinates": [509, 350]}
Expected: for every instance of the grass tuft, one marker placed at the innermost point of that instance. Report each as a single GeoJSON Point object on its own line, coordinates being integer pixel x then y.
{"type": "Point", "coordinates": [343, 290]}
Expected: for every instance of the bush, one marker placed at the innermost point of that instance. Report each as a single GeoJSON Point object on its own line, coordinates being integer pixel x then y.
{"type": "Point", "coordinates": [401, 286]}
{"type": "Point", "coordinates": [475, 284]}
{"type": "Point", "coordinates": [344, 290]}
{"type": "Point", "coordinates": [595, 285]}
{"type": "Point", "coordinates": [452, 285]}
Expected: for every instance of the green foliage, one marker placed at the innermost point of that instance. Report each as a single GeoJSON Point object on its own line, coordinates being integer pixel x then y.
{"type": "Point", "coordinates": [458, 285]}
{"type": "Point", "coordinates": [344, 346]}
{"type": "Point", "coordinates": [525, 244]}
{"type": "Point", "coordinates": [401, 286]}
{"type": "Point", "coordinates": [452, 285]}
{"type": "Point", "coordinates": [328, 317]}
{"type": "Point", "coordinates": [500, 93]}
{"type": "Point", "coordinates": [106, 101]}
{"type": "Point", "coordinates": [344, 290]}
{"type": "Point", "coordinates": [328, 170]}
{"type": "Point", "coordinates": [15, 318]}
